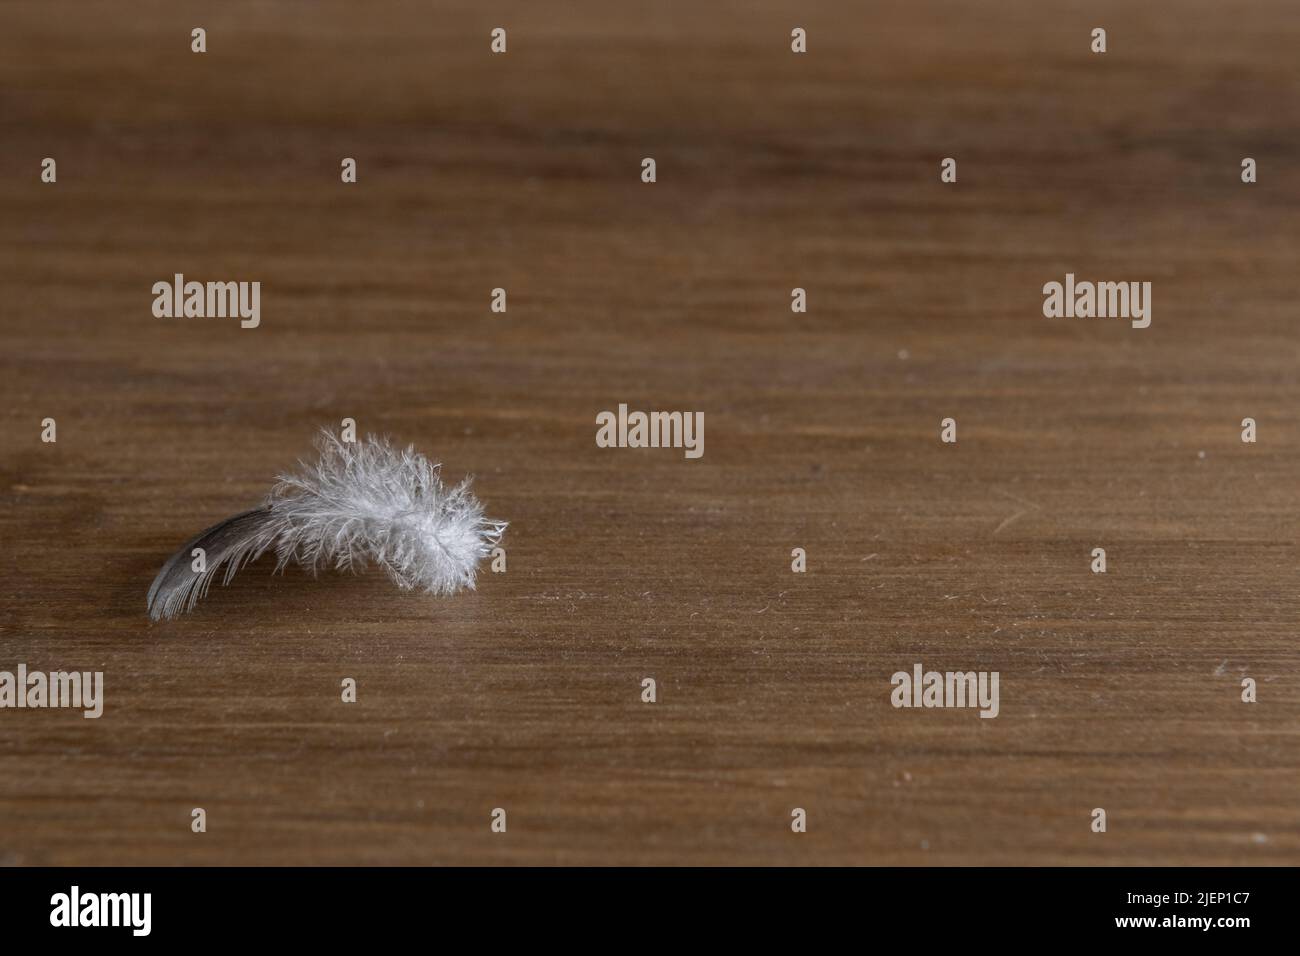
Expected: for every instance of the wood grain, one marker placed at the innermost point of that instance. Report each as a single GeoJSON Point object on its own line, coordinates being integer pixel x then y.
{"type": "Point", "coordinates": [1119, 691]}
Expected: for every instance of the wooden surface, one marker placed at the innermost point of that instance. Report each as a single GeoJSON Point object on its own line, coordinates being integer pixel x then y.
{"type": "Point", "coordinates": [1119, 691]}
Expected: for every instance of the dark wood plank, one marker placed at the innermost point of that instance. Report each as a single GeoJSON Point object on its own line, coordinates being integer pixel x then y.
{"type": "Point", "coordinates": [1118, 691]}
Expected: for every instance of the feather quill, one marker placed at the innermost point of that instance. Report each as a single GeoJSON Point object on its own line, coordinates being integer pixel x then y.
{"type": "Point", "coordinates": [360, 503]}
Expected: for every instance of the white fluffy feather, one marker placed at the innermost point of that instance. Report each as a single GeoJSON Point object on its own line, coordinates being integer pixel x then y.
{"type": "Point", "coordinates": [369, 501]}
{"type": "Point", "coordinates": [360, 503]}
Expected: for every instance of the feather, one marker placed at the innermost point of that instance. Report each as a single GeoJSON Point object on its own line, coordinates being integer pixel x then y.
{"type": "Point", "coordinates": [232, 543]}
{"type": "Point", "coordinates": [360, 503]}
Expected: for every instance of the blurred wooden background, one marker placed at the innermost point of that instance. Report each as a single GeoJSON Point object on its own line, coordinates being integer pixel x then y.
{"type": "Point", "coordinates": [774, 171]}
